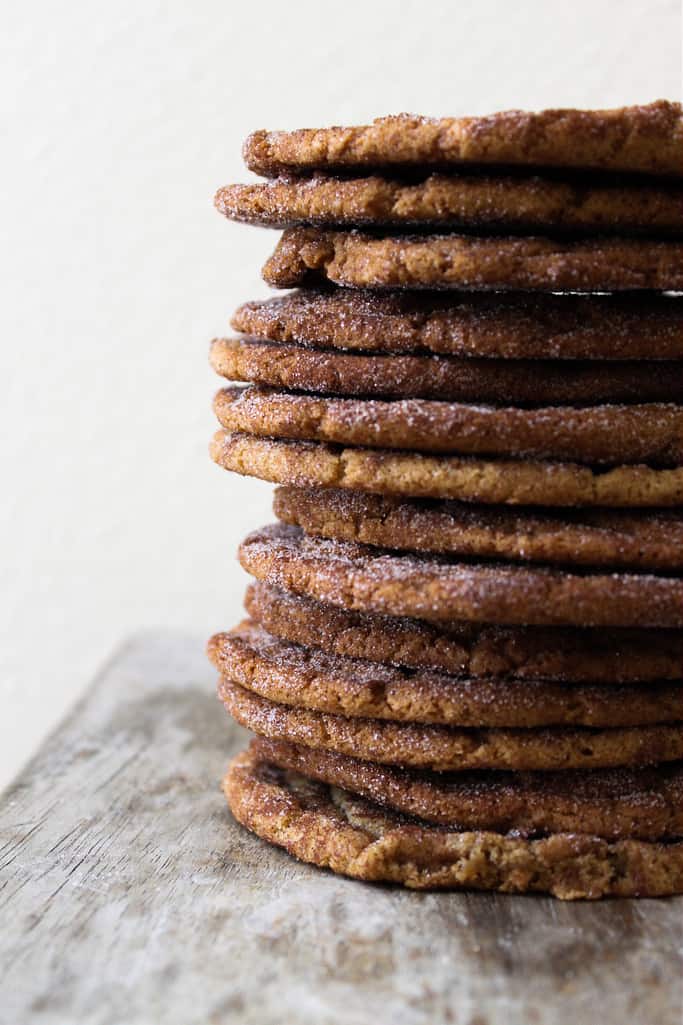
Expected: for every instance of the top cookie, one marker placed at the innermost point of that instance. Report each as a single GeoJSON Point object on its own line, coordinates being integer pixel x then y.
{"type": "Point", "coordinates": [647, 139]}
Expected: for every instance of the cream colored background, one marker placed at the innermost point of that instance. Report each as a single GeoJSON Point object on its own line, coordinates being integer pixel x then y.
{"type": "Point", "coordinates": [119, 121]}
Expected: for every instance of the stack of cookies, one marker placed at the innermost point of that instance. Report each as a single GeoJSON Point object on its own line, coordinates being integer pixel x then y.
{"type": "Point", "coordinates": [463, 659]}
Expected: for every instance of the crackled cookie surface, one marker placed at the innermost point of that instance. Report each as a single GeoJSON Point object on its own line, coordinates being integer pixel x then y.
{"type": "Point", "coordinates": [465, 478]}
{"type": "Point", "coordinates": [352, 836]}
{"type": "Point", "coordinates": [450, 748]}
{"type": "Point", "coordinates": [534, 263]}
{"type": "Point", "coordinates": [647, 138]}
{"type": "Point", "coordinates": [440, 201]}
{"type": "Point", "coordinates": [642, 540]}
{"type": "Point", "coordinates": [311, 678]}
{"type": "Point", "coordinates": [439, 590]}
{"type": "Point", "coordinates": [471, 649]}
{"type": "Point", "coordinates": [510, 326]}
{"type": "Point", "coordinates": [606, 434]}
{"type": "Point", "coordinates": [551, 382]}
{"type": "Point", "coordinates": [643, 803]}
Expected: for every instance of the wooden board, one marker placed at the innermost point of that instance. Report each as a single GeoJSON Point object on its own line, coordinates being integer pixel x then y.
{"type": "Point", "coordinates": [130, 897]}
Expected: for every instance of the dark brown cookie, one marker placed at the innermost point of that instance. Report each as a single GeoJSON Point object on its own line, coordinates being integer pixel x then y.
{"type": "Point", "coordinates": [463, 478]}
{"type": "Point", "coordinates": [290, 674]}
{"type": "Point", "coordinates": [510, 326]}
{"type": "Point", "coordinates": [333, 829]}
{"type": "Point", "coordinates": [450, 748]}
{"type": "Point", "coordinates": [508, 203]}
{"type": "Point", "coordinates": [553, 382]}
{"type": "Point", "coordinates": [472, 649]}
{"type": "Point", "coordinates": [356, 260]}
{"type": "Point", "coordinates": [617, 804]}
{"type": "Point", "coordinates": [365, 579]}
{"type": "Point", "coordinates": [609, 435]}
{"type": "Point", "coordinates": [621, 538]}
{"type": "Point", "coordinates": [646, 138]}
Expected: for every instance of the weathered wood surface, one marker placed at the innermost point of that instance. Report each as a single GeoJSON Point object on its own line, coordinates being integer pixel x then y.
{"type": "Point", "coordinates": [129, 897]}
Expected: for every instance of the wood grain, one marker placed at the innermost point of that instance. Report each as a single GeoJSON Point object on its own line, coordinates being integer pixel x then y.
{"type": "Point", "coordinates": [128, 894]}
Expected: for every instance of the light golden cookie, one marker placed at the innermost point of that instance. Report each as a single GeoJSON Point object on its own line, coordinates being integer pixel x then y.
{"type": "Point", "coordinates": [333, 829]}
{"type": "Point", "coordinates": [439, 201]}
{"type": "Point", "coordinates": [472, 649]}
{"type": "Point", "coordinates": [290, 674]}
{"type": "Point", "coordinates": [635, 539]}
{"type": "Point", "coordinates": [464, 478]}
{"type": "Point", "coordinates": [367, 579]}
{"type": "Point", "coordinates": [647, 138]}
{"type": "Point", "coordinates": [533, 263]}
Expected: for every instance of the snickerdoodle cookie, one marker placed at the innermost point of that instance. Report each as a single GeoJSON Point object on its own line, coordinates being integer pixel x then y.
{"type": "Point", "coordinates": [380, 375]}
{"type": "Point", "coordinates": [290, 674]}
{"type": "Point", "coordinates": [464, 478]}
{"type": "Point", "coordinates": [535, 263]}
{"type": "Point", "coordinates": [439, 590]}
{"type": "Point", "coordinates": [438, 201]}
{"type": "Point", "coordinates": [625, 538]}
{"type": "Point", "coordinates": [471, 649]}
{"type": "Point", "coordinates": [510, 326]}
{"type": "Point", "coordinates": [646, 138]}
{"type": "Point", "coordinates": [452, 748]}
{"type": "Point", "coordinates": [638, 804]}
{"type": "Point", "coordinates": [352, 836]}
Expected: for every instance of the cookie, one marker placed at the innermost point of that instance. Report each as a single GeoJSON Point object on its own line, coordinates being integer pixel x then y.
{"type": "Point", "coordinates": [299, 368]}
{"type": "Point", "coordinates": [534, 263]}
{"type": "Point", "coordinates": [620, 538]}
{"type": "Point", "coordinates": [415, 475]}
{"type": "Point", "coordinates": [290, 674]}
{"type": "Point", "coordinates": [645, 139]}
{"type": "Point", "coordinates": [334, 829]}
{"type": "Point", "coordinates": [509, 203]}
{"type": "Point", "coordinates": [617, 804]}
{"type": "Point", "coordinates": [610, 435]}
{"type": "Point", "coordinates": [452, 749]}
{"type": "Point", "coordinates": [471, 649]}
{"type": "Point", "coordinates": [365, 579]}
{"type": "Point", "coordinates": [509, 326]}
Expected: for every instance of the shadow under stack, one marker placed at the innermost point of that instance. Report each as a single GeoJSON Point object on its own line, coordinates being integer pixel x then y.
{"type": "Point", "coordinates": [463, 656]}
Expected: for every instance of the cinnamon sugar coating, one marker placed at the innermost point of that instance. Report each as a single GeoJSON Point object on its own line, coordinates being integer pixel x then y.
{"type": "Point", "coordinates": [533, 263]}
{"type": "Point", "coordinates": [438, 590]}
{"type": "Point", "coordinates": [450, 748]}
{"type": "Point", "coordinates": [636, 804]}
{"type": "Point", "coordinates": [552, 382]}
{"type": "Point", "coordinates": [471, 649]}
{"type": "Point", "coordinates": [620, 538]}
{"type": "Point", "coordinates": [503, 203]}
{"type": "Point", "coordinates": [606, 434]}
{"type": "Point", "coordinates": [291, 674]}
{"type": "Point", "coordinates": [464, 478]}
{"type": "Point", "coordinates": [506, 325]}
{"type": "Point", "coordinates": [646, 138]}
{"type": "Point", "coordinates": [333, 829]}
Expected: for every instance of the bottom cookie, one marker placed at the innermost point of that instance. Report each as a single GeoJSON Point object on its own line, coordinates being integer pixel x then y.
{"type": "Point", "coordinates": [331, 828]}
